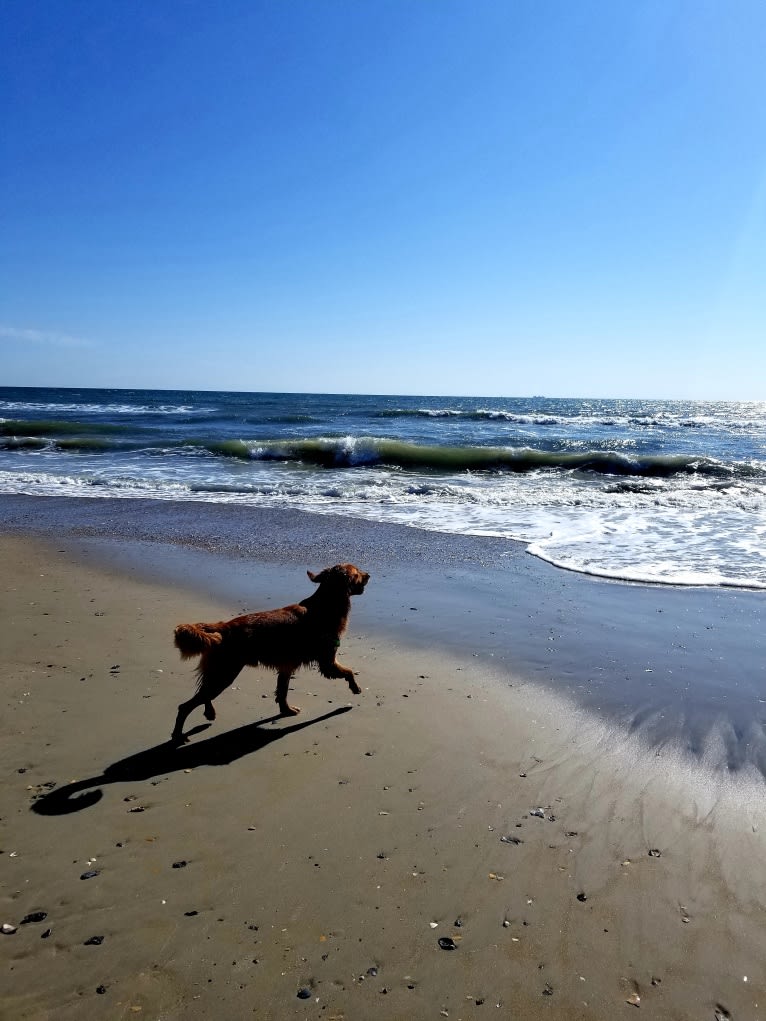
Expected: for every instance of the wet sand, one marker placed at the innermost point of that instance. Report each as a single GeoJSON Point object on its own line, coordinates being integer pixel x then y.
{"type": "Point", "coordinates": [682, 667]}
{"type": "Point", "coordinates": [330, 853]}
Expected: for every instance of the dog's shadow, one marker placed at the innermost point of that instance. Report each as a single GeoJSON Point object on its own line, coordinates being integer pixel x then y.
{"type": "Point", "coordinates": [170, 758]}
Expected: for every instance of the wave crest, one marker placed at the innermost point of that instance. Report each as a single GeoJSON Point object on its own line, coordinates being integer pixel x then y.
{"type": "Point", "coordinates": [350, 452]}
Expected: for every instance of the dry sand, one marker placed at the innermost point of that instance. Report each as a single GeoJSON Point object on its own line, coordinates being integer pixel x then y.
{"type": "Point", "coordinates": [330, 853]}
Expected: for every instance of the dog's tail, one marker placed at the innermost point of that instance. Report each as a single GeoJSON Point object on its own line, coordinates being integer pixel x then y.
{"type": "Point", "coordinates": [193, 639]}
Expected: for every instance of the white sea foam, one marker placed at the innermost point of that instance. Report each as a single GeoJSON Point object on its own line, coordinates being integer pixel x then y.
{"type": "Point", "coordinates": [653, 531]}
{"type": "Point", "coordinates": [57, 409]}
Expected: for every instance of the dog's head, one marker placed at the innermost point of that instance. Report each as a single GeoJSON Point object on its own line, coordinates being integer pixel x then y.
{"type": "Point", "coordinates": [344, 577]}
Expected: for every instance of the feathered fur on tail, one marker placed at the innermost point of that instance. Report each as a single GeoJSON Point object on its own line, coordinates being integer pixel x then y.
{"type": "Point", "coordinates": [193, 639]}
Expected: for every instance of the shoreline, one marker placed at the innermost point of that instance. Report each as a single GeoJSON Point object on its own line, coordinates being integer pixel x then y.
{"type": "Point", "coordinates": [681, 667]}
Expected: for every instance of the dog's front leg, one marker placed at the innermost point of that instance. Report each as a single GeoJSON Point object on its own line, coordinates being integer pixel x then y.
{"type": "Point", "coordinates": [335, 670]}
{"type": "Point", "coordinates": [283, 683]}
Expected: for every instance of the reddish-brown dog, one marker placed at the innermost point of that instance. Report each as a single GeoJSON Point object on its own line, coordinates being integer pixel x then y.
{"type": "Point", "coordinates": [302, 634]}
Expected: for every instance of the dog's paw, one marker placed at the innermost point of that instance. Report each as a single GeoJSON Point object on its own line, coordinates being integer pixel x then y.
{"type": "Point", "coordinates": [356, 690]}
{"type": "Point", "coordinates": [289, 710]}
{"type": "Point", "coordinates": [178, 739]}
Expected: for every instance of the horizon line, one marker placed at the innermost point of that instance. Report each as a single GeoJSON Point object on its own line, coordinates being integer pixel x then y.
{"type": "Point", "coordinates": [361, 393]}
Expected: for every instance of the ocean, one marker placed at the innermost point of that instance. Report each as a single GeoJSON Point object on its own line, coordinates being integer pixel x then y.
{"type": "Point", "coordinates": [650, 491]}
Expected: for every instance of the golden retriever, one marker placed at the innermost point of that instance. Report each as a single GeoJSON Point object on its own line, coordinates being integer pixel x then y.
{"type": "Point", "coordinates": [302, 634]}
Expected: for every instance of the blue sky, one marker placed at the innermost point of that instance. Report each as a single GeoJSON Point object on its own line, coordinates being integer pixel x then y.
{"type": "Point", "coordinates": [409, 196]}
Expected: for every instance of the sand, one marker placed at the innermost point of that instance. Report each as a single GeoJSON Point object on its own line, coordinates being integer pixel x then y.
{"type": "Point", "coordinates": [329, 853]}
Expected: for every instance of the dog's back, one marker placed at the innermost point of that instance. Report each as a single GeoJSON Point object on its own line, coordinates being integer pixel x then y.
{"type": "Point", "coordinates": [263, 638]}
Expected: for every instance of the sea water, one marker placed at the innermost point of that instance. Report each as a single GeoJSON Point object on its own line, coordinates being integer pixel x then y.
{"type": "Point", "coordinates": [640, 490]}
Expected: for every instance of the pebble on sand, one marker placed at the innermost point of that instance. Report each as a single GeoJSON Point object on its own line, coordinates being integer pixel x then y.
{"type": "Point", "coordinates": [35, 916]}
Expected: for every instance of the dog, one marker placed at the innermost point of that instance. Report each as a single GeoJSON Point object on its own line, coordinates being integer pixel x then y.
{"type": "Point", "coordinates": [302, 634]}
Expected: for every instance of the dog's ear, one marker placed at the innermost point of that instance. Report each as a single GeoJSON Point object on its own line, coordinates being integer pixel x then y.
{"type": "Point", "coordinates": [333, 575]}
{"type": "Point", "coordinates": [345, 575]}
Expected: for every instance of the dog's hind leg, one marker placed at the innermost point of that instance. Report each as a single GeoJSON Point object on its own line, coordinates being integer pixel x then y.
{"type": "Point", "coordinates": [183, 711]}
{"type": "Point", "coordinates": [283, 683]}
{"type": "Point", "coordinates": [215, 675]}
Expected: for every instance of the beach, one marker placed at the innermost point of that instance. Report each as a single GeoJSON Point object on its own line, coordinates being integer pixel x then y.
{"type": "Point", "coordinates": [558, 777]}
